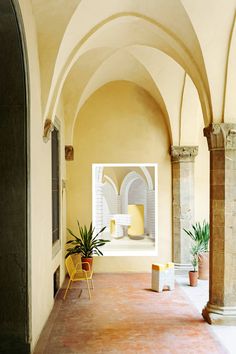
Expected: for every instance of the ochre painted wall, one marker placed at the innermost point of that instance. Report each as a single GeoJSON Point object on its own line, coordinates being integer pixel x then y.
{"type": "Point", "coordinates": [120, 123]}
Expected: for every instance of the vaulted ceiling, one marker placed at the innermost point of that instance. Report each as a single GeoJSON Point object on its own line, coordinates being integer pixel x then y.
{"type": "Point", "coordinates": [180, 52]}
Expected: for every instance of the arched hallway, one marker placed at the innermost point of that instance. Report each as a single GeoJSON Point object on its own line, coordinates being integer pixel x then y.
{"type": "Point", "coordinates": [119, 82]}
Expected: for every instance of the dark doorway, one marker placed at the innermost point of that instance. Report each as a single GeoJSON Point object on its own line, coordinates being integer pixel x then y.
{"type": "Point", "coordinates": [14, 302]}
{"type": "Point", "coordinates": [55, 187]}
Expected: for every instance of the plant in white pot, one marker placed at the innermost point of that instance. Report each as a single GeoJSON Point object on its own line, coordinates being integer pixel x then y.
{"type": "Point", "coordinates": [200, 234]}
{"type": "Point", "coordinates": [86, 243]}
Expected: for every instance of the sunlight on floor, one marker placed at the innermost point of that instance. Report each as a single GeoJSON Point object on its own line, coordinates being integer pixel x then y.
{"type": "Point", "coordinates": [199, 297]}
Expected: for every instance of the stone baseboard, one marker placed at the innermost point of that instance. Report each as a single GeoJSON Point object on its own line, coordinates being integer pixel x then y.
{"type": "Point", "coordinates": [182, 269]}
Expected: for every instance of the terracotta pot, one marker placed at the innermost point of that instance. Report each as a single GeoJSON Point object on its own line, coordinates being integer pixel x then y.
{"type": "Point", "coordinates": [193, 278]}
{"type": "Point", "coordinates": [88, 260]}
{"type": "Point", "coordinates": [203, 266]}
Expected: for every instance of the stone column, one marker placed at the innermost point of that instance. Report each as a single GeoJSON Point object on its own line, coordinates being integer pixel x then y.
{"type": "Point", "coordinates": [182, 158]}
{"type": "Point", "coordinates": [221, 307]}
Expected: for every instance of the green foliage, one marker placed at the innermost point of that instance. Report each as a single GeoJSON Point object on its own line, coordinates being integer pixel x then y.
{"type": "Point", "coordinates": [196, 250]}
{"type": "Point", "coordinates": [86, 243]}
{"type": "Point", "coordinates": [200, 236]}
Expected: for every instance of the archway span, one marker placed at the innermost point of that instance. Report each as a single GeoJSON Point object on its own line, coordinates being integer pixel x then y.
{"type": "Point", "coordinates": [159, 74]}
{"type": "Point", "coordinates": [127, 72]}
{"type": "Point", "coordinates": [167, 43]}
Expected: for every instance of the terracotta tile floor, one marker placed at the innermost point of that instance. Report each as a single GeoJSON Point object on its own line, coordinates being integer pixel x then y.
{"type": "Point", "coordinates": [125, 316]}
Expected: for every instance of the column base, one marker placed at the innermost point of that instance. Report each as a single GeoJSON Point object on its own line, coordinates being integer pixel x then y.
{"type": "Point", "coordinates": [219, 315]}
{"type": "Point", "coordinates": [182, 268]}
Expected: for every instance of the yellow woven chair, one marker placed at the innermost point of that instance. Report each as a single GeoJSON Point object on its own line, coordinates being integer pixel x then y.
{"type": "Point", "coordinates": [76, 273]}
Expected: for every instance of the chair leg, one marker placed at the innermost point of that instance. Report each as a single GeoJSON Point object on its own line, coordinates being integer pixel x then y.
{"type": "Point", "coordinates": [92, 283]}
{"type": "Point", "coordinates": [68, 286]}
{"type": "Point", "coordinates": [88, 288]}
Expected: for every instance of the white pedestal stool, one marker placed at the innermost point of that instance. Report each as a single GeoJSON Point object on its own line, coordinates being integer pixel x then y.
{"type": "Point", "coordinates": [163, 275]}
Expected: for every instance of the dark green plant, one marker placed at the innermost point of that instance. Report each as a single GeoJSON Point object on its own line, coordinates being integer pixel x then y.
{"type": "Point", "coordinates": [86, 243]}
{"type": "Point", "coordinates": [200, 234]}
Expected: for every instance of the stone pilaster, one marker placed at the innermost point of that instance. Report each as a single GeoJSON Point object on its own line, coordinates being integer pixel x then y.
{"type": "Point", "coordinates": [182, 158]}
{"type": "Point", "coordinates": [221, 307]}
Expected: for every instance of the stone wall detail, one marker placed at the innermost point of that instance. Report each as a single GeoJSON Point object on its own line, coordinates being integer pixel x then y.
{"type": "Point", "coordinates": [182, 158]}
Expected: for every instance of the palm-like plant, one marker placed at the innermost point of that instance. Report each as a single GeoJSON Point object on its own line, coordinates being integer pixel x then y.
{"type": "Point", "coordinates": [196, 250]}
{"type": "Point", "coordinates": [87, 243]}
{"type": "Point", "coordinates": [200, 235]}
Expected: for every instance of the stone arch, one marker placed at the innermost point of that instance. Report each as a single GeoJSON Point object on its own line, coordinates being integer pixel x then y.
{"type": "Point", "coordinates": [149, 86]}
{"type": "Point", "coordinates": [177, 49]}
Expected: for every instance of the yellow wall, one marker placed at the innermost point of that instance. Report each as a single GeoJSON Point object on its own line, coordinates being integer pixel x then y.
{"type": "Point", "coordinates": [40, 245]}
{"type": "Point", "coordinates": [42, 262]}
{"type": "Point", "coordinates": [120, 123]}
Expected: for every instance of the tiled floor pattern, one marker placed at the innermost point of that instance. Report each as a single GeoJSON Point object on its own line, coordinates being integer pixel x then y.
{"type": "Point", "coordinates": [125, 316]}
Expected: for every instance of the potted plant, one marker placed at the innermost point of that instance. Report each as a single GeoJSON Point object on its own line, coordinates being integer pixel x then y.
{"type": "Point", "coordinates": [87, 244]}
{"type": "Point", "coordinates": [196, 249]}
{"type": "Point", "coordinates": [201, 235]}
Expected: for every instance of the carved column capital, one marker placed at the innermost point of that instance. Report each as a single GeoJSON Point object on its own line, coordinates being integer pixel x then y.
{"type": "Point", "coordinates": [221, 136]}
{"type": "Point", "coordinates": [183, 153]}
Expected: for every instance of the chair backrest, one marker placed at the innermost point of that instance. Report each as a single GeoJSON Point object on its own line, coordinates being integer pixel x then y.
{"type": "Point", "coordinates": [76, 258]}
{"type": "Point", "coordinates": [72, 262]}
{"type": "Point", "coordinates": [70, 265]}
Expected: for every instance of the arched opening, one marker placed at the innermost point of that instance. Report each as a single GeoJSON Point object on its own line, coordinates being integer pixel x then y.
{"type": "Point", "coordinates": [14, 251]}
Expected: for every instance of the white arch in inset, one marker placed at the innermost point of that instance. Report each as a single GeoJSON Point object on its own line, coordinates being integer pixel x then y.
{"type": "Point", "coordinates": [148, 177]}
{"type": "Point", "coordinates": [110, 180]}
{"type": "Point", "coordinates": [124, 190]}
